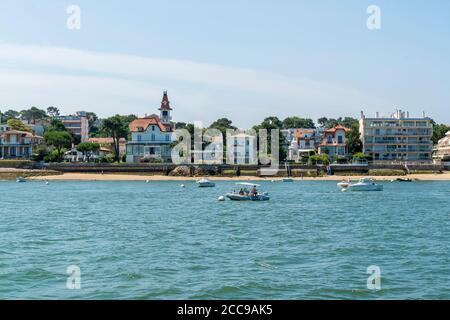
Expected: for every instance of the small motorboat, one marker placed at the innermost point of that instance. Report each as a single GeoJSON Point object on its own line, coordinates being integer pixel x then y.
{"type": "Point", "coordinates": [21, 179]}
{"type": "Point", "coordinates": [246, 195]}
{"type": "Point", "coordinates": [403, 180]}
{"type": "Point", "coordinates": [364, 184]}
{"type": "Point", "coordinates": [205, 183]}
{"type": "Point", "coordinates": [288, 180]}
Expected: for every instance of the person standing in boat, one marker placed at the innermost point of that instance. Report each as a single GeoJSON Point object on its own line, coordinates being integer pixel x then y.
{"type": "Point", "coordinates": [254, 191]}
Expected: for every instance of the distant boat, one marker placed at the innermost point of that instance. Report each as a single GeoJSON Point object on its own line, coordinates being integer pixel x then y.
{"type": "Point", "coordinates": [21, 179]}
{"type": "Point", "coordinates": [205, 183]}
{"type": "Point", "coordinates": [364, 184]}
{"type": "Point", "coordinates": [288, 180]}
{"type": "Point", "coordinates": [403, 180]}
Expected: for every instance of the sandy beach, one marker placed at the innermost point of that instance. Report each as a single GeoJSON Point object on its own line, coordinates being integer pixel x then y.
{"type": "Point", "coordinates": [131, 177]}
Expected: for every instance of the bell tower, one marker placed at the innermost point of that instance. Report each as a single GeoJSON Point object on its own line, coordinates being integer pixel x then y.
{"type": "Point", "coordinates": [165, 109]}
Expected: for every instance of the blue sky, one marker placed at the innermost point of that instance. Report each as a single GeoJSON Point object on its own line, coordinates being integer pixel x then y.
{"type": "Point", "coordinates": [245, 60]}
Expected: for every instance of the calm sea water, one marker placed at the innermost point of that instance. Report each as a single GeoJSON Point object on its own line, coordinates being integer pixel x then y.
{"type": "Point", "coordinates": [133, 240]}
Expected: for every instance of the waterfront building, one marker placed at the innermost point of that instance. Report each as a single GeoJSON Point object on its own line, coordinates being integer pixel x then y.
{"type": "Point", "coordinates": [441, 153]}
{"type": "Point", "coordinates": [241, 149]}
{"type": "Point", "coordinates": [16, 144]}
{"type": "Point", "coordinates": [302, 142]}
{"type": "Point", "coordinates": [77, 124]}
{"type": "Point", "coordinates": [4, 128]}
{"type": "Point", "coordinates": [107, 145]}
{"type": "Point", "coordinates": [334, 142]}
{"type": "Point", "coordinates": [397, 137]}
{"type": "Point", "coordinates": [37, 126]}
{"type": "Point", "coordinates": [151, 136]}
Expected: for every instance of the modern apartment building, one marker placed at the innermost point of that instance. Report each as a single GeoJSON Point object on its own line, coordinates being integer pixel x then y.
{"type": "Point", "coordinates": [397, 137]}
{"type": "Point", "coordinates": [78, 124]}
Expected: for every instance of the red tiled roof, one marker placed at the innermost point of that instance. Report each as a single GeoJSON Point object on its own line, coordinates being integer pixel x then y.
{"type": "Point", "coordinates": [144, 123]}
{"type": "Point", "coordinates": [300, 133]}
{"type": "Point", "coordinates": [26, 133]}
{"type": "Point", "coordinates": [338, 127]}
{"type": "Point", "coordinates": [105, 140]}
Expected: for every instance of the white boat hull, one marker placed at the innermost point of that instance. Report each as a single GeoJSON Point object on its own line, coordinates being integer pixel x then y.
{"type": "Point", "coordinates": [365, 187]}
{"type": "Point", "coordinates": [239, 197]}
{"type": "Point", "coordinates": [207, 185]}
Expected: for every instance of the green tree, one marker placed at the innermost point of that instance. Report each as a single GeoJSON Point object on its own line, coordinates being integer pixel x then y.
{"type": "Point", "coordinates": [94, 129]}
{"type": "Point", "coordinates": [296, 122]}
{"type": "Point", "coordinates": [56, 125]}
{"type": "Point", "coordinates": [87, 148]}
{"type": "Point", "coordinates": [353, 137]}
{"type": "Point", "coordinates": [33, 114]}
{"type": "Point", "coordinates": [117, 128]}
{"type": "Point", "coordinates": [319, 159]}
{"type": "Point", "coordinates": [59, 140]}
{"type": "Point", "coordinates": [439, 131]}
{"type": "Point", "coordinates": [347, 122]}
{"type": "Point", "coordinates": [10, 114]}
{"type": "Point", "coordinates": [223, 124]}
{"type": "Point", "coordinates": [16, 124]}
{"type": "Point", "coordinates": [52, 111]}
{"type": "Point", "coordinates": [270, 124]}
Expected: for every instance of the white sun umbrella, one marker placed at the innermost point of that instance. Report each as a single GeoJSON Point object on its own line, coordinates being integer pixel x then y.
{"type": "Point", "coordinates": [248, 184]}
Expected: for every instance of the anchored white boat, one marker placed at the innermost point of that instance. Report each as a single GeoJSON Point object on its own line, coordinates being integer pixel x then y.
{"type": "Point", "coordinates": [205, 183]}
{"type": "Point", "coordinates": [21, 179]}
{"type": "Point", "coordinates": [344, 184]}
{"type": "Point", "coordinates": [288, 180]}
{"type": "Point", "coordinates": [364, 184]}
{"type": "Point", "coordinates": [246, 195]}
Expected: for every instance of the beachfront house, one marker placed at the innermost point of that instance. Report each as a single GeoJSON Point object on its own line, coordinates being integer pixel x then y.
{"type": "Point", "coordinates": [151, 136]}
{"type": "Point", "coordinates": [398, 137]}
{"type": "Point", "coordinates": [441, 153]}
{"type": "Point", "coordinates": [333, 142]}
{"type": "Point", "coordinates": [16, 144]}
{"type": "Point", "coordinates": [107, 145]}
{"type": "Point", "coordinates": [241, 149]}
{"type": "Point", "coordinates": [302, 142]}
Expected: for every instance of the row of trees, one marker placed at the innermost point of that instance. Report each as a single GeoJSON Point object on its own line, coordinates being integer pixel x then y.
{"type": "Point", "coordinates": [117, 127]}
{"type": "Point", "coordinates": [270, 123]}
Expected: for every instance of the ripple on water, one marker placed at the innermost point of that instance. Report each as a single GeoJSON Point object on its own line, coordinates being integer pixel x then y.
{"type": "Point", "coordinates": [134, 240]}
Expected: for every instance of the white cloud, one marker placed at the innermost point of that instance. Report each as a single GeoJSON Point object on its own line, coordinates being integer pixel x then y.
{"type": "Point", "coordinates": [113, 83]}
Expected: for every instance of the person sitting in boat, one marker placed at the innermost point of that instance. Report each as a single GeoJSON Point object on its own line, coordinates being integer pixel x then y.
{"type": "Point", "coordinates": [241, 192]}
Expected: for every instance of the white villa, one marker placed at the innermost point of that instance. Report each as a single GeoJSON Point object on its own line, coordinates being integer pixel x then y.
{"type": "Point", "coordinates": [151, 136]}
{"type": "Point", "coordinates": [241, 149]}
{"type": "Point", "coordinates": [441, 152]}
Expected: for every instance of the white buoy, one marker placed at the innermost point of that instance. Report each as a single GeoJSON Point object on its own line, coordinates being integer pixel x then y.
{"type": "Point", "coordinates": [147, 181]}
{"type": "Point", "coordinates": [221, 198]}
{"type": "Point", "coordinates": [273, 180]}
{"type": "Point", "coordinates": [46, 182]}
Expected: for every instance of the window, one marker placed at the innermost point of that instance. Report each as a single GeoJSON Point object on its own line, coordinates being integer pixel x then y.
{"type": "Point", "coordinates": [153, 137]}
{"type": "Point", "coordinates": [139, 137]}
{"type": "Point", "coordinates": [153, 128]}
{"type": "Point", "coordinates": [340, 139]}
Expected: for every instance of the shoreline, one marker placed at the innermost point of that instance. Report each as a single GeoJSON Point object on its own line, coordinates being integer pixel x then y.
{"type": "Point", "coordinates": [133, 177]}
